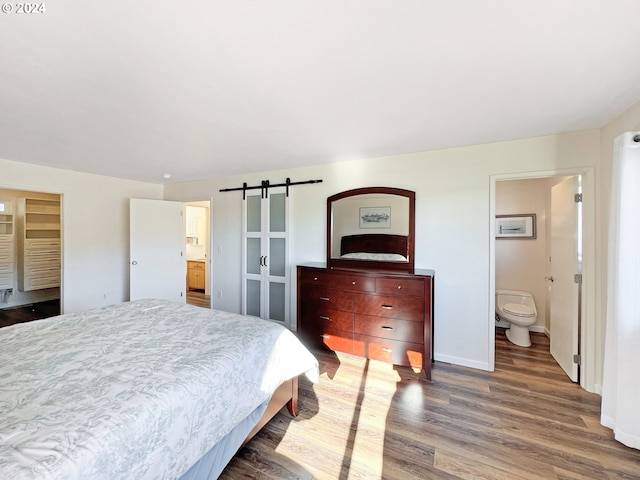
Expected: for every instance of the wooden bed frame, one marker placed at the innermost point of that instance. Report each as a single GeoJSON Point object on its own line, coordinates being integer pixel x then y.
{"type": "Point", "coordinates": [286, 394]}
{"type": "Point", "coordinates": [375, 243]}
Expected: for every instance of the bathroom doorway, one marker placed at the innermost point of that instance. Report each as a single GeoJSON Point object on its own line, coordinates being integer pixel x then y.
{"type": "Point", "coordinates": [197, 215]}
{"type": "Point", "coordinates": [545, 264]}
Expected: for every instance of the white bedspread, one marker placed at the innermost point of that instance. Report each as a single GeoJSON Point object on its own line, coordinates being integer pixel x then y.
{"type": "Point", "coordinates": [139, 390]}
{"type": "Point", "coordinates": [386, 257]}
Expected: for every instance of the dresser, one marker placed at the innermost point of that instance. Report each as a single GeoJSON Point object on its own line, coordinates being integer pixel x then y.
{"type": "Point", "coordinates": [382, 316]}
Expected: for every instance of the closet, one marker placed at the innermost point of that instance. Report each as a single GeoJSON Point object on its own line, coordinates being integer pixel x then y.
{"type": "Point", "coordinates": [265, 282]}
{"type": "Point", "coordinates": [38, 235]}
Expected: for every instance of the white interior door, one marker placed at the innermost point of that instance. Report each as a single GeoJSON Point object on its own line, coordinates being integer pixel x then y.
{"type": "Point", "coordinates": [565, 264]}
{"type": "Point", "coordinates": [157, 267]}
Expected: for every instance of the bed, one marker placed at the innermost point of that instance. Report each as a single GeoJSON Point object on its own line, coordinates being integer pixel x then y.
{"type": "Point", "coordinates": [375, 246]}
{"type": "Point", "coordinates": [141, 390]}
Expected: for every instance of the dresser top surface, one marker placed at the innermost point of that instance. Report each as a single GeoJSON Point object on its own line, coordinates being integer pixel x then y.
{"type": "Point", "coordinates": [323, 265]}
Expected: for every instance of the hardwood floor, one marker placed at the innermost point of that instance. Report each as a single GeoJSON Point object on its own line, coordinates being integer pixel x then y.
{"type": "Point", "coordinates": [369, 420]}
{"type": "Point", "coordinates": [199, 299]}
{"type": "Point", "coordinates": [26, 313]}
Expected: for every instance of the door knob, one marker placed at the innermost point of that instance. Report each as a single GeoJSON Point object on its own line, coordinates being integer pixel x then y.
{"type": "Point", "coordinates": [550, 278]}
{"type": "Point", "coordinates": [134, 263]}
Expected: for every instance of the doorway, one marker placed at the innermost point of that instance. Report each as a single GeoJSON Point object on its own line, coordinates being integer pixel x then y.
{"type": "Point", "coordinates": [197, 216]}
{"type": "Point", "coordinates": [527, 265]}
{"type": "Point", "coordinates": [30, 255]}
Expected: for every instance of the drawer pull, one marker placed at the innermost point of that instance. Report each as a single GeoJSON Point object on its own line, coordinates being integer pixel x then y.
{"type": "Point", "coordinates": [325, 336]}
{"type": "Point", "coordinates": [386, 349]}
{"type": "Point", "coordinates": [326, 299]}
{"type": "Point", "coordinates": [385, 327]}
{"type": "Point", "coordinates": [353, 283]}
{"type": "Point", "coordinates": [399, 287]}
{"type": "Point", "coordinates": [315, 279]}
{"type": "Point", "coordinates": [387, 307]}
{"type": "Point", "coordinates": [324, 317]}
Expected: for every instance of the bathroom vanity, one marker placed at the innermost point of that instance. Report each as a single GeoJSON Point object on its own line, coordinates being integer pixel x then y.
{"type": "Point", "coordinates": [367, 299]}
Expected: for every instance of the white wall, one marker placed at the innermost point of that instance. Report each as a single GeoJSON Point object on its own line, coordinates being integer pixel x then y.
{"type": "Point", "coordinates": [453, 223]}
{"type": "Point", "coordinates": [95, 229]}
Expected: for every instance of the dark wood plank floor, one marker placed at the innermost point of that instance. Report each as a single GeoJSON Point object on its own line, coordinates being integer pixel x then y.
{"type": "Point", "coordinates": [368, 420]}
{"type": "Point", "coordinates": [27, 313]}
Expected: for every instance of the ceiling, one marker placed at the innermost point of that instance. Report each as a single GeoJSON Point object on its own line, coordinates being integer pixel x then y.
{"type": "Point", "coordinates": [204, 89]}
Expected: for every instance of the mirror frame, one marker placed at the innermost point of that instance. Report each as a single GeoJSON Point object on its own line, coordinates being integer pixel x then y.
{"type": "Point", "coordinates": [407, 267]}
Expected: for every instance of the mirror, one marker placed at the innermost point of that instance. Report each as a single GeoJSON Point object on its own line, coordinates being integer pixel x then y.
{"type": "Point", "coordinates": [371, 228]}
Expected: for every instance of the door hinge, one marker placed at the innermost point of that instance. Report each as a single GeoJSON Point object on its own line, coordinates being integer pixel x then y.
{"type": "Point", "coordinates": [576, 359]}
{"type": "Point", "coordinates": [577, 197]}
{"type": "Point", "coordinates": [577, 278]}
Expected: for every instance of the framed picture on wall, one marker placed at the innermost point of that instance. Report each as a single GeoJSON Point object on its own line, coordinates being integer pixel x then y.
{"type": "Point", "coordinates": [375, 217]}
{"type": "Point", "coordinates": [516, 226]}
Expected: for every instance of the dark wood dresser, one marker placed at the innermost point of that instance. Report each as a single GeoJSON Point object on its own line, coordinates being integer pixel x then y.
{"type": "Point", "coordinates": [383, 316]}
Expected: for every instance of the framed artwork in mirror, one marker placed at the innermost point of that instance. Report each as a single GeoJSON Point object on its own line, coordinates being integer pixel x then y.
{"type": "Point", "coordinates": [375, 217]}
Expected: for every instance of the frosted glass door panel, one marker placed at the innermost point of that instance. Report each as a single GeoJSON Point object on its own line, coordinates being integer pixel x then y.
{"type": "Point", "coordinates": [253, 255]}
{"type": "Point", "coordinates": [276, 301]}
{"type": "Point", "coordinates": [277, 212]}
{"type": "Point", "coordinates": [265, 255]}
{"type": "Point", "coordinates": [253, 298]}
{"type": "Point", "coordinates": [254, 214]}
{"type": "Point", "coordinates": [277, 267]}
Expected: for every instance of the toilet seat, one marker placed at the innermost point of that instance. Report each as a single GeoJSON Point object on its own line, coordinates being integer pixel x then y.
{"type": "Point", "coordinates": [518, 310]}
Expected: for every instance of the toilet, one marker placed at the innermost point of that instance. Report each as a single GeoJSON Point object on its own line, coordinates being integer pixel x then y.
{"type": "Point", "coordinates": [519, 309]}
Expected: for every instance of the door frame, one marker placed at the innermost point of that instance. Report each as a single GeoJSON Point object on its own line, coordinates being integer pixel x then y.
{"type": "Point", "coordinates": [209, 241]}
{"type": "Point", "coordinates": [588, 326]}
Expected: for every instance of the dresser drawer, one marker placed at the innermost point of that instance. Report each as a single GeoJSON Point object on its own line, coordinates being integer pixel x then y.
{"type": "Point", "coordinates": [328, 320]}
{"type": "Point", "coordinates": [48, 261]}
{"type": "Point", "coordinates": [389, 351]}
{"type": "Point", "coordinates": [43, 271]}
{"type": "Point", "coordinates": [195, 265]}
{"type": "Point", "coordinates": [340, 281]}
{"type": "Point", "coordinates": [407, 308]}
{"type": "Point", "coordinates": [391, 328]}
{"type": "Point", "coordinates": [42, 244]}
{"type": "Point", "coordinates": [326, 298]}
{"type": "Point", "coordinates": [326, 335]}
{"type": "Point", "coordinates": [400, 286]}
{"type": "Point", "coordinates": [41, 281]}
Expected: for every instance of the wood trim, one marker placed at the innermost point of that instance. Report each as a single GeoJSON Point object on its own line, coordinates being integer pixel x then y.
{"type": "Point", "coordinates": [285, 394]}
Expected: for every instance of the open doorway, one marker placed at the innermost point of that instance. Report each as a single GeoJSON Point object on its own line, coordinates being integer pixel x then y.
{"type": "Point", "coordinates": [30, 255]}
{"type": "Point", "coordinates": [198, 246]}
{"type": "Point", "coordinates": [545, 264]}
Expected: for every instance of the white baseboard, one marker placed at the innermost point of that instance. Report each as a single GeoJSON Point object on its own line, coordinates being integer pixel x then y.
{"type": "Point", "coordinates": [463, 362]}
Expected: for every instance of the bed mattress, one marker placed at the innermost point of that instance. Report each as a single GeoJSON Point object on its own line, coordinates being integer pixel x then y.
{"type": "Point", "coordinates": [138, 390]}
